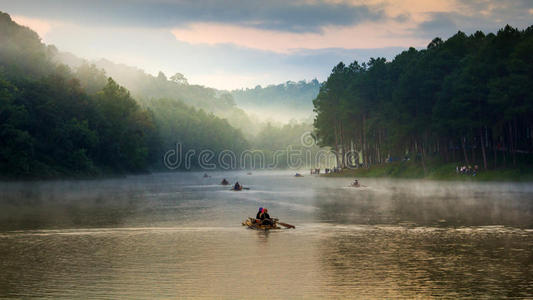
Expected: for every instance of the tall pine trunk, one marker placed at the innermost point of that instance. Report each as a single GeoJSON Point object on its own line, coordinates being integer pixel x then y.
{"type": "Point", "coordinates": [365, 155]}
{"type": "Point", "coordinates": [360, 150]}
{"type": "Point", "coordinates": [343, 149]}
{"type": "Point", "coordinates": [423, 158]}
{"type": "Point", "coordinates": [336, 146]}
{"type": "Point", "coordinates": [511, 144]}
{"type": "Point", "coordinates": [483, 148]}
{"type": "Point", "coordinates": [463, 142]}
{"type": "Point", "coordinates": [494, 150]}
{"type": "Point", "coordinates": [473, 154]}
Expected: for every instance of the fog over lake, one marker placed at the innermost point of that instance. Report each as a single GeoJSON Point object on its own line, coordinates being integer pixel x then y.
{"type": "Point", "coordinates": [172, 235]}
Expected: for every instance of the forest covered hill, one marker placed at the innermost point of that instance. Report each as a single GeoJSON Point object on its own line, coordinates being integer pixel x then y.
{"type": "Point", "coordinates": [56, 121]}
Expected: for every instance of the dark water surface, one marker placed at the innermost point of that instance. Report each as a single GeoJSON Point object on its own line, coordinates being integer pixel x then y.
{"type": "Point", "coordinates": [179, 236]}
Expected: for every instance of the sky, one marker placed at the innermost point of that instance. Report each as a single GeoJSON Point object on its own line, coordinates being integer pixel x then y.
{"type": "Point", "coordinates": [243, 43]}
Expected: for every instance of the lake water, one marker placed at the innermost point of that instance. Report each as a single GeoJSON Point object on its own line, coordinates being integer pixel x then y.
{"type": "Point", "coordinates": [179, 235]}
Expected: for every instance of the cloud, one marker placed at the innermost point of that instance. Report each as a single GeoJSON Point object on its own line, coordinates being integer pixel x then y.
{"type": "Point", "coordinates": [440, 25]}
{"type": "Point", "coordinates": [223, 66]}
{"type": "Point", "coordinates": [362, 36]}
{"type": "Point", "coordinates": [278, 15]}
{"type": "Point", "coordinates": [281, 26]}
{"type": "Point", "coordinates": [471, 16]}
{"type": "Point", "coordinates": [238, 43]}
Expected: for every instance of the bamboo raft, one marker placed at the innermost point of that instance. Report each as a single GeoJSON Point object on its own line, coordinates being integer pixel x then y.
{"type": "Point", "coordinates": [252, 224]}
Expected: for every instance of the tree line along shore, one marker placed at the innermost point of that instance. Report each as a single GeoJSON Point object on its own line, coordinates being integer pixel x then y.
{"type": "Point", "coordinates": [461, 102]}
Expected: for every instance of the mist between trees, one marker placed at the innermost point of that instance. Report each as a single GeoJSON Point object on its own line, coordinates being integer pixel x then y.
{"type": "Point", "coordinates": [61, 116]}
{"type": "Point", "coordinates": [307, 155]}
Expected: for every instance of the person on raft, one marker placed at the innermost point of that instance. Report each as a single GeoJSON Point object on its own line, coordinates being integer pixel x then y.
{"type": "Point", "coordinates": [264, 217]}
{"type": "Point", "coordinates": [258, 215]}
{"type": "Point", "coordinates": [224, 182]}
{"type": "Point", "coordinates": [356, 183]}
{"type": "Point", "coordinates": [237, 186]}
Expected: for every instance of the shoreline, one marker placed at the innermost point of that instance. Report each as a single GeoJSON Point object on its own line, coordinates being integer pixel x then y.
{"type": "Point", "coordinates": [397, 170]}
{"type": "Point", "coordinates": [439, 172]}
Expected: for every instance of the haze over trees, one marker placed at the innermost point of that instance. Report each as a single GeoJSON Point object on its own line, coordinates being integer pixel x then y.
{"type": "Point", "coordinates": [246, 109]}
{"type": "Point", "coordinates": [292, 146]}
{"type": "Point", "coordinates": [250, 110]}
{"type": "Point", "coordinates": [282, 102]}
{"type": "Point", "coordinates": [145, 87]}
{"type": "Point", "coordinates": [57, 122]}
{"type": "Point", "coordinates": [467, 99]}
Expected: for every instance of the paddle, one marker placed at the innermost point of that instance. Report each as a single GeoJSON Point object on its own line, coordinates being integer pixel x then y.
{"type": "Point", "coordinates": [286, 225]}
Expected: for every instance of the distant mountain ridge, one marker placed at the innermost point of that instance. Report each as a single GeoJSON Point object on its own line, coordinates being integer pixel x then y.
{"type": "Point", "coordinates": [281, 102]}
{"type": "Point", "coordinates": [145, 86]}
{"type": "Point", "coordinates": [295, 99]}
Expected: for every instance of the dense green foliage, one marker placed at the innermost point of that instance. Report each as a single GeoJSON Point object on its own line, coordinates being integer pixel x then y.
{"type": "Point", "coordinates": [467, 99]}
{"type": "Point", "coordinates": [50, 127]}
{"type": "Point", "coordinates": [176, 121]}
{"type": "Point", "coordinates": [55, 122]}
{"type": "Point", "coordinates": [193, 129]}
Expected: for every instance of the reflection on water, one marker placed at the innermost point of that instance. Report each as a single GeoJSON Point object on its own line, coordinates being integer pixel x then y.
{"type": "Point", "coordinates": [179, 235]}
{"type": "Point", "coordinates": [430, 204]}
{"type": "Point", "coordinates": [403, 262]}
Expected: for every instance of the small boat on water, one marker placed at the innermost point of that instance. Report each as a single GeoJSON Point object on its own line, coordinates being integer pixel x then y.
{"type": "Point", "coordinates": [298, 175]}
{"type": "Point", "coordinates": [238, 187]}
{"type": "Point", "coordinates": [356, 184]}
{"type": "Point", "coordinates": [252, 224]}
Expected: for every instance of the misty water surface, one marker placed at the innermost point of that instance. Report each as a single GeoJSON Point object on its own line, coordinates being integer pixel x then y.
{"type": "Point", "coordinates": [179, 235]}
